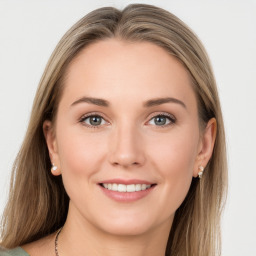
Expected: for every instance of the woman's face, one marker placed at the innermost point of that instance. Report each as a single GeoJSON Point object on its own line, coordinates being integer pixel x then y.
{"type": "Point", "coordinates": [127, 121]}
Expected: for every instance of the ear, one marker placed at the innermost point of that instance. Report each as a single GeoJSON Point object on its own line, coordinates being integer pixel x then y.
{"type": "Point", "coordinates": [52, 146]}
{"type": "Point", "coordinates": [206, 146]}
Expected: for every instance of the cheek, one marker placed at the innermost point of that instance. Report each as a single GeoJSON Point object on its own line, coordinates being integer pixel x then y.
{"type": "Point", "coordinates": [80, 154]}
{"type": "Point", "coordinates": [176, 153]}
{"type": "Point", "coordinates": [80, 157]}
{"type": "Point", "coordinates": [174, 159]}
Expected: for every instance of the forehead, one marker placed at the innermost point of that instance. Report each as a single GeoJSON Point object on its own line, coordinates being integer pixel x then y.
{"type": "Point", "coordinates": [119, 70]}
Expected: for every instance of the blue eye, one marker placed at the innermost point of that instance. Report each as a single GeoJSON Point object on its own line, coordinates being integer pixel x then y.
{"type": "Point", "coordinates": [161, 120]}
{"type": "Point", "coordinates": [93, 120]}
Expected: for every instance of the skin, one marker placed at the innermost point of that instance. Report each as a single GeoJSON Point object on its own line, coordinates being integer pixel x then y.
{"type": "Point", "coordinates": [129, 143]}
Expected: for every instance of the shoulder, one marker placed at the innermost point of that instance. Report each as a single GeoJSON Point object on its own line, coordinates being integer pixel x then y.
{"type": "Point", "coordinates": [41, 247]}
{"type": "Point", "coordinates": [18, 251]}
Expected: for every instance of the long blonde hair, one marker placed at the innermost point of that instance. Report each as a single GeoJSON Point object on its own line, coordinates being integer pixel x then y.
{"type": "Point", "coordinates": [38, 203]}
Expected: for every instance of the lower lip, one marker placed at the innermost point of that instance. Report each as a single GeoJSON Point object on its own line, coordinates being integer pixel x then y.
{"type": "Point", "coordinates": [126, 196]}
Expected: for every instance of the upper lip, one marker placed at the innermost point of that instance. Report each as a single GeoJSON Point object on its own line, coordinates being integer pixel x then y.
{"type": "Point", "coordinates": [127, 181]}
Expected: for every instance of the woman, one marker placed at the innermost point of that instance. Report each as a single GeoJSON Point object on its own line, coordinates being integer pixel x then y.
{"type": "Point", "coordinates": [125, 149]}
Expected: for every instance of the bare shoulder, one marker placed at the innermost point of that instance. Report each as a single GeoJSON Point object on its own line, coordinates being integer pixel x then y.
{"type": "Point", "coordinates": [43, 246]}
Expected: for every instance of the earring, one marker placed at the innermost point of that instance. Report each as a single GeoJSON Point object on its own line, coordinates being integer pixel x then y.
{"type": "Point", "coordinates": [54, 168]}
{"type": "Point", "coordinates": [200, 174]}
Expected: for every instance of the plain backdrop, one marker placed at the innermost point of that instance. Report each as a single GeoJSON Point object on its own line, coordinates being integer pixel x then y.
{"type": "Point", "coordinates": [29, 31]}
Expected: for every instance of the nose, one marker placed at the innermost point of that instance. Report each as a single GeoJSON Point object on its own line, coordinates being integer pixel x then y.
{"type": "Point", "coordinates": [126, 147]}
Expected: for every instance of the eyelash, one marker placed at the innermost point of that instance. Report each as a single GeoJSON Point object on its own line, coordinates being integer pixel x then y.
{"type": "Point", "coordinates": [83, 118]}
{"type": "Point", "coordinates": [171, 118]}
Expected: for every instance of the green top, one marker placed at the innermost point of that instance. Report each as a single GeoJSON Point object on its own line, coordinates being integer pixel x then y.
{"type": "Point", "coordinates": [18, 251]}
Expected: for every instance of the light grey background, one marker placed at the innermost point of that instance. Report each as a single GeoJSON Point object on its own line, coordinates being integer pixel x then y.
{"type": "Point", "coordinates": [29, 31]}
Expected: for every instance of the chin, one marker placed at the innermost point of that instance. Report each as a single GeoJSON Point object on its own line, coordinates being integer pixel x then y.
{"type": "Point", "coordinates": [130, 225]}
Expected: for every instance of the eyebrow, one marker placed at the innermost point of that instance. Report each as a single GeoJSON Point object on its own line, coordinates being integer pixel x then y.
{"type": "Point", "coordinates": [160, 101]}
{"type": "Point", "coordinates": [149, 103]}
{"type": "Point", "coordinates": [94, 101]}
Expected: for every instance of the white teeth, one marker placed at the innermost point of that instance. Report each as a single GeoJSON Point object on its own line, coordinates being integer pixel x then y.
{"type": "Point", "coordinates": [121, 188]}
{"type": "Point", "coordinates": [138, 187]}
{"type": "Point", "coordinates": [114, 187]}
{"type": "Point", "coordinates": [125, 188]}
{"type": "Point", "coordinates": [130, 188]}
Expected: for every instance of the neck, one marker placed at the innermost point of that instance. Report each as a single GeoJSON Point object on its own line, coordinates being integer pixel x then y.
{"type": "Point", "coordinates": [82, 238]}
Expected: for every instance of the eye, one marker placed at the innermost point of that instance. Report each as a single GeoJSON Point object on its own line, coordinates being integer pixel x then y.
{"type": "Point", "coordinates": [93, 120]}
{"type": "Point", "coordinates": [162, 120]}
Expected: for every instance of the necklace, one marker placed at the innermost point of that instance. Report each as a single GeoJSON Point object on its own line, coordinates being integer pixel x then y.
{"type": "Point", "coordinates": [56, 242]}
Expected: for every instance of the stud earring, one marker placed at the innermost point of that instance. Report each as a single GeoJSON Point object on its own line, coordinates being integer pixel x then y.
{"type": "Point", "coordinates": [200, 174]}
{"type": "Point", "coordinates": [54, 168]}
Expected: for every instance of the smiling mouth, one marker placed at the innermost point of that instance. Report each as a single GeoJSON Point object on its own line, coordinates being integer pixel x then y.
{"type": "Point", "coordinates": [126, 188]}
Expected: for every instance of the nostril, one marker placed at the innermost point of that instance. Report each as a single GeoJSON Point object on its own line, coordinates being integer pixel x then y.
{"type": "Point", "coordinates": [125, 164]}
